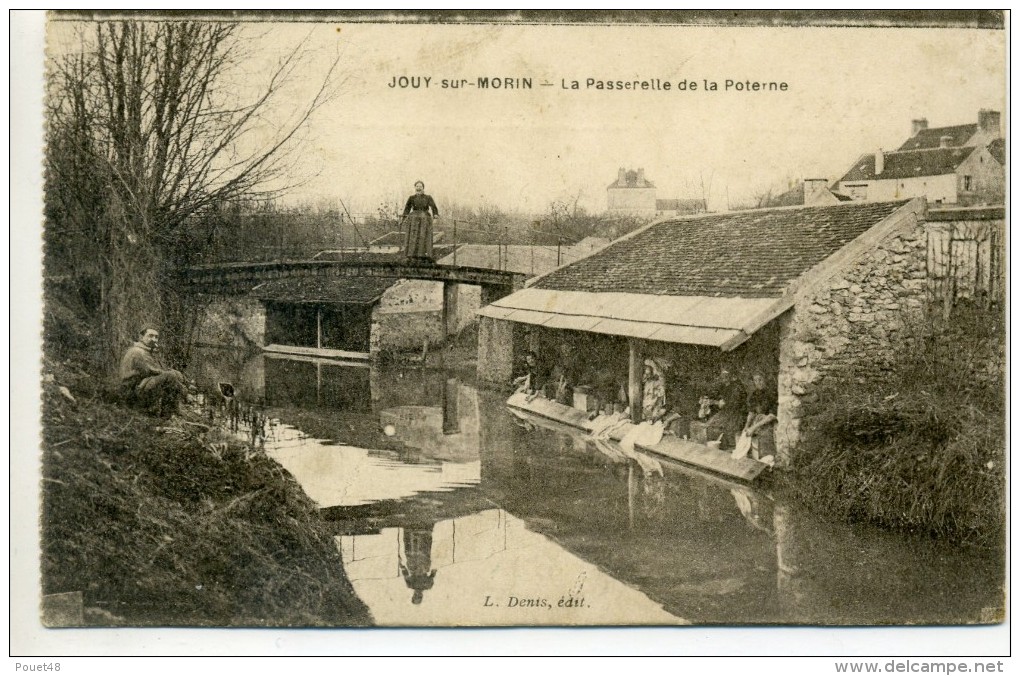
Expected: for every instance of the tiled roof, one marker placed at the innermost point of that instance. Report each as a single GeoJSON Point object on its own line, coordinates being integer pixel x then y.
{"type": "Point", "coordinates": [931, 138]}
{"type": "Point", "coordinates": [359, 290]}
{"type": "Point", "coordinates": [909, 164]}
{"type": "Point", "coordinates": [998, 150]}
{"type": "Point", "coordinates": [749, 254]}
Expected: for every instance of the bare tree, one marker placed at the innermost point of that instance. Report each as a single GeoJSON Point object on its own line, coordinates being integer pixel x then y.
{"type": "Point", "coordinates": [153, 114]}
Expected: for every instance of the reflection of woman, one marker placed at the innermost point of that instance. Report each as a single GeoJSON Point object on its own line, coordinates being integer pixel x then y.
{"type": "Point", "coordinates": [418, 214]}
{"type": "Point", "coordinates": [418, 572]}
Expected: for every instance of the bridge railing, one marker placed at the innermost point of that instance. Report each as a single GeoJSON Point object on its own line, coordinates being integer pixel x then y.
{"type": "Point", "coordinates": [529, 250]}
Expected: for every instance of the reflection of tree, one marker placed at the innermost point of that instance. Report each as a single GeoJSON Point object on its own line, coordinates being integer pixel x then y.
{"type": "Point", "coordinates": [416, 568]}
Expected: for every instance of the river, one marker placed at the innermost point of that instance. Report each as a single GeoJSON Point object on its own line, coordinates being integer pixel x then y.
{"type": "Point", "coordinates": [448, 509]}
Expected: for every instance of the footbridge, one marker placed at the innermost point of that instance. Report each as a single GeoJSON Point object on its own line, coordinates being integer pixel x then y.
{"type": "Point", "coordinates": [240, 278]}
{"type": "Point", "coordinates": [331, 308]}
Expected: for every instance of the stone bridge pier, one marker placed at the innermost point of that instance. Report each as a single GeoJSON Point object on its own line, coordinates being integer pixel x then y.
{"type": "Point", "coordinates": [499, 341]}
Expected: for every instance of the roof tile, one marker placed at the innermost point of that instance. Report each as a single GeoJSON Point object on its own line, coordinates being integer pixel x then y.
{"type": "Point", "coordinates": [751, 254]}
{"type": "Point", "coordinates": [909, 164]}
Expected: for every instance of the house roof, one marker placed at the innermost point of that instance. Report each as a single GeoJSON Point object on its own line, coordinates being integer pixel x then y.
{"type": "Point", "coordinates": [523, 258]}
{"type": "Point", "coordinates": [391, 238]}
{"type": "Point", "coordinates": [711, 280]}
{"type": "Point", "coordinates": [998, 150]}
{"type": "Point", "coordinates": [356, 290]}
{"type": "Point", "coordinates": [931, 138]}
{"type": "Point", "coordinates": [909, 164]}
{"type": "Point", "coordinates": [754, 253]}
{"type": "Point", "coordinates": [697, 320]}
{"type": "Point", "coordinates": [397, 238]}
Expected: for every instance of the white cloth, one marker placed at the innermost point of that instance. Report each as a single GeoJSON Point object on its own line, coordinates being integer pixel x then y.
{"type": "Point", "coordinates": [645, 434]}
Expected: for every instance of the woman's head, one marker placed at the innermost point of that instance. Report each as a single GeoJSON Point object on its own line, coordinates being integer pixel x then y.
{"type": "Point", "coordinates": [419, 186]}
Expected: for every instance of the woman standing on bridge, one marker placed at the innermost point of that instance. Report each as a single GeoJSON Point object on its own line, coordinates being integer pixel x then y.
{"type": "Point", "coordinates": [418, 214]}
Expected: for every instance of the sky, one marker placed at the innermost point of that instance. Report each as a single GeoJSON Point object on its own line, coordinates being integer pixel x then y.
{"type": "Point", "coordinates": [848, 91]}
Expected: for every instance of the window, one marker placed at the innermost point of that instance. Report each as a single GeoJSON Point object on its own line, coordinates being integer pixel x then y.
{"type": "Point", "coordinates": [966, 183]}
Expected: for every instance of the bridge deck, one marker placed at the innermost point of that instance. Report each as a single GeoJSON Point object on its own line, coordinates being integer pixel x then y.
{"type": "Point", "coordinates": [220, 275]}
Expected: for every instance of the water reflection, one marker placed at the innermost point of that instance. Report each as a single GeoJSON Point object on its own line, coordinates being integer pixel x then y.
{"type": "Point", "coordinates": [462, 502]}
{"type": "Point", "coordinates": [486, 568]}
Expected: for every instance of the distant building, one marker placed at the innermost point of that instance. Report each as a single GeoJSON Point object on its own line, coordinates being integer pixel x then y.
{"type": "Point", "coordinates": [631, 193]}
{"type": "Point", "coordinates": [962, 165]}
{"type": "Point", "coordinates": [634, 195]}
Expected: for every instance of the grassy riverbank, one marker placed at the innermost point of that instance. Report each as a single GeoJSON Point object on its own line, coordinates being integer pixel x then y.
{"type": "Point", "coordinates": [924, 449]}
{"type": "Point", "coordinates": [176, 523]}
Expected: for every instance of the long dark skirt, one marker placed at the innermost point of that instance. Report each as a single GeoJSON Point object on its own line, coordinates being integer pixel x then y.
{"type": "Point", "coordinates": [418, 242]}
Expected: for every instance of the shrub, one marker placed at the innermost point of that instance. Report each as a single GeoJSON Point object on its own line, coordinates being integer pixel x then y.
{"type": "Point", "coordinates": [924, 447]}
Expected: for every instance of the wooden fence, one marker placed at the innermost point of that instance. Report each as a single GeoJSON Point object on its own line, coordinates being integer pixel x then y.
{"type": "Point", "coordinates": [966, 255]}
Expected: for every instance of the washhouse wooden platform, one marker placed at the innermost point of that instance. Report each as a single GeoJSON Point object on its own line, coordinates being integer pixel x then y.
{"type": "Point", "coordinates": [681, 450]}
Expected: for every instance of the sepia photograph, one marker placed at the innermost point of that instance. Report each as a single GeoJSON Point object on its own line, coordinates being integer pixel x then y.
{"type": "Point", "coordinates": [450, 319]}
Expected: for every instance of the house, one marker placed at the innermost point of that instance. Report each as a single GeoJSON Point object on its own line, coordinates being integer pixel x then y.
{"type": "Point", "coordinates": [960, 165]}
{"type": "Point", "coordinates": [631, 193]}
{"type": "Point", "coordinates": [984, 131]}
{"type": "Point", "coordinates": [792, 293]}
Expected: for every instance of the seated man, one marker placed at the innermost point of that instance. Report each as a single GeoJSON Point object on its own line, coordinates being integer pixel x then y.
{"type": "Point", "coordinates": [145, 383]}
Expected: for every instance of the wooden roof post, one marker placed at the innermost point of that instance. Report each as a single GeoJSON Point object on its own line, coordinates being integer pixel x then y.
{"type": "Point", "coordinates": [635, 389]}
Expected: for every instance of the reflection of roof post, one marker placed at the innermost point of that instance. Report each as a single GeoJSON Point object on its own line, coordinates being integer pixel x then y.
{"type": "Point", "coordinates": [635, 385]}
{"type": "Point", "coordinates": [451, 408]}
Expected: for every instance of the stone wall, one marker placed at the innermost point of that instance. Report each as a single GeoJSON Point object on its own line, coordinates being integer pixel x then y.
{"type": "Point", "coordinates": [499, 344]}
{"type": "Point", "coordinates": [232, 321]}
{"type": "Point", "coordinates": [404, 331]}
{"type": "Point", "coordinates": [852, 320]}
{"type": "Point", "coordinates": [409, 313]}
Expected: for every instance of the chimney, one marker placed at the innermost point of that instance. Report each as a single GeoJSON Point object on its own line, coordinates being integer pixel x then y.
{"type": "Point", "coordinates": [621, 177]}
{"type": "Point", "coordinates": [918, 125]}
{"type": "Point", "coordinates": [945, 141]}
{"type": "Point", "coordinates": [879, 162]}
{"type": "Point", "coordinates": [814, 191]}
{"type": "Point", "coordinates": [989, 121]}
{"type": "Point", "coordinates": [641, 177]}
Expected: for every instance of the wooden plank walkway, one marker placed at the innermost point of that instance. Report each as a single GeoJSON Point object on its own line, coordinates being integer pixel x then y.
{"type": "Point", "coordinates": [681, 450]}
